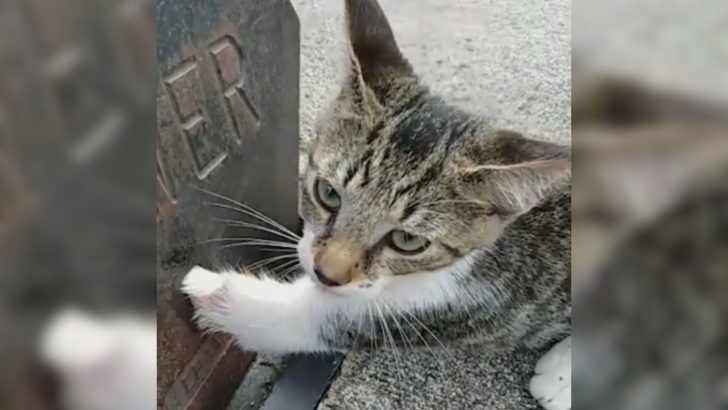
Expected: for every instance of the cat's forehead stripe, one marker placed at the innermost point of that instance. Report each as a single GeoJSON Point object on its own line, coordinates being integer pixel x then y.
{"type": "Point", "coordinates": [426, 127]}
{"type": "Point", "coordinates": [451, 250]}
{"type": "Point", "coordinates": [311, 163]}
{"type": "Point", "coordinates": [356, 165]}
{"type": "Point", "coordinates": [376, 132]}
{"type": "Point", "coordinates": [416, 186]}
{"type": "Point", "coordinates": [416, 136]}
{"type": "Point", "coordinates": [366, 178]}
{"type": "Point", "coordinates": [410, 209]}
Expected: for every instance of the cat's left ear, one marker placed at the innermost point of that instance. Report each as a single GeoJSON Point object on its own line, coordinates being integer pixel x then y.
{"type": "Point", "coordinates": [514, 173]}
{"type": "Point", "coordinates": [377, 60]}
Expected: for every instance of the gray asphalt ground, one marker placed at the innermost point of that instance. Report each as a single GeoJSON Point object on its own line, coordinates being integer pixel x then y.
{"type": "Point", "coordinates": [508, 60]}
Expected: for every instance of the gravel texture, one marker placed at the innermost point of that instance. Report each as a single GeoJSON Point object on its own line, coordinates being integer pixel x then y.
{"type": "Point", "coordinates": [438, 379]}
{"type": "Point", "coordinates": [509, 60]}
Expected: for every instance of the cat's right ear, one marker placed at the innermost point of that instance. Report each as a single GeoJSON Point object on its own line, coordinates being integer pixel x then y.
{"type": "Point", "coordinates": [511, 190]}
{"type": "Point", "coordinates": [377, 59]}
{"type": "Point", "coordinates": [511, 173]}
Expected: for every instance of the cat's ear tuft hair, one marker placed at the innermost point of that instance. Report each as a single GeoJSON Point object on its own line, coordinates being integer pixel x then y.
{"type": "Point", "coordinates": [373, 44]}
{"type": "Point", "coordinates": [515, 173]}
{"type": "Point", "coordinates": [510, 148]}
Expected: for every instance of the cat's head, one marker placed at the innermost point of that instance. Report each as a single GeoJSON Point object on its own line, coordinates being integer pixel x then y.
{"type": "Point", "coordinates": [400, 183]}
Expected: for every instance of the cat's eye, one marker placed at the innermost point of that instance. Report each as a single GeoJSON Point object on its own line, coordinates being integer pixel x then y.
{"type": "Point", "coordinates": [326, 195]}
{"type": "Point", "coordinates": [407, 243]}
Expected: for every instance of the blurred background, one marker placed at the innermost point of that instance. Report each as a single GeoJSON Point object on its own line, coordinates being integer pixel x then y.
{"type": "Point", "coordinates": [650, 204]}
{"type": "Point", "coordinates": [77, 200]}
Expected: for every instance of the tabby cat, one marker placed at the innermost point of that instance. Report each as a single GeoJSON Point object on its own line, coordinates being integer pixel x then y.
{"type": "Point", "coordinates": [422, 225]}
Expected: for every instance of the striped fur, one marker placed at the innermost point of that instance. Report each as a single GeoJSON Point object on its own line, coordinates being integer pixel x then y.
{"type": "Point", "coordinates": [402, 158]}
{"type": "Point", "coordinates": [494, 206]}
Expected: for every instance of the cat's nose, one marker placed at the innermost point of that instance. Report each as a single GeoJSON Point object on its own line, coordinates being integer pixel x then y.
{"type": "Point", "coordinates": [324, 279]}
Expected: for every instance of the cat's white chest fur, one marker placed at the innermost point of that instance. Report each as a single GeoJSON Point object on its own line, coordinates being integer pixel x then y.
{"type": "Point", "coordinates": [551, 383]}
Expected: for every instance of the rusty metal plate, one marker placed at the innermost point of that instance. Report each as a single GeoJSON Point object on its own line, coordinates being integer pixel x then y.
{"type": "Point", "coordinates": [227, 122]}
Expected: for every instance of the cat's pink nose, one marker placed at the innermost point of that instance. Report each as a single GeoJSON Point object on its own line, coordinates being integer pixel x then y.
{"type": "Point", "coordinates": [324, 279]}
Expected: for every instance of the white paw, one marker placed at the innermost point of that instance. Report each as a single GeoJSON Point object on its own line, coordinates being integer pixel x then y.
{"type": "Point", "coordinates": [60, 346]}
{"type": "Point", "coordinates": [551, 383]}
{"type": "Point", "coordinates": [200, 283]}
{"type": "Point", "coordinates": [104, 363]}
{"type": "Point", "coordinates": [209, 295]}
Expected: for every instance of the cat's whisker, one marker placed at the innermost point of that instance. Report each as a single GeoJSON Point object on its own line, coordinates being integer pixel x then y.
{"type": "Point", "coordinates": [291, 269]}
{"type": "Point", "coordinates": [405, 339]}
{"type": "Point", "coordinates": [467, 308]}
{"type": "Point", "coordinates": [257, 215]}
{"type": "Point", "coordinates": [275, 271]}
{"type": "Point", "coordinates": [383, 325]}
{"type": "Point", "coordinates": [350, 323]}
{"type": "Point", "coordinates": [257, 227]}
{"type": "Point", "coordinates": [358, 328]}
{"type": "Point", "coordinates": [427, 329]}
{"type": "Point", "coordinates": [287, 268]}
{"type": "Point", "coordinates": [241, 244]}
{"type": "Point", "coordinates": [296, 267]}
{"type": "Point", "coordinates": [384, 339]}
{"type": "Point", "coordinates": [389, 334]}
{"type": "Point", "coordinates": [379, 326]}
{"type": "Point", "coordinates": [250, 242]}
{"type": "Point", "coordinates": [373, 335]}
{"type": "Point", "coordinates": [424, 341]}
{"type": "Point", "coordinates": [262, 249]}
{"type": "Point", "coordinates": [245, 238]}
{"type": "Point", "coordinates": [267, 261]}
{"type": "Point", "coordinates": [249, 209]}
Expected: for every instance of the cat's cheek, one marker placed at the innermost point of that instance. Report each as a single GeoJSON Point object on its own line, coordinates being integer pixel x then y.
{"type": "Point", "coordinates": [305, 254]}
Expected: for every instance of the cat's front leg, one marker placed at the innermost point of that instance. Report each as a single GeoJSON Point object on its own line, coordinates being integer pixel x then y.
{"type": "Point", "coordinates": [265, 315]}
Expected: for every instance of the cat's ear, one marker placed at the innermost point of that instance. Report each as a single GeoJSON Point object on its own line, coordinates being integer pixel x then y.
{"type": "Point", "coordinates": [514, 173]}
{"type": "Point", "coordinates": [510, 148]}
{"type": "Point", "coordinates": [377, 60]}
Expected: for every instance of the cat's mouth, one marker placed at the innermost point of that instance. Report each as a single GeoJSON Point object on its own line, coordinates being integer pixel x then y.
{"type": "Point", "coordinates": [357, 290]}
{"type": "Point", "coordinates": [360, 286]}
